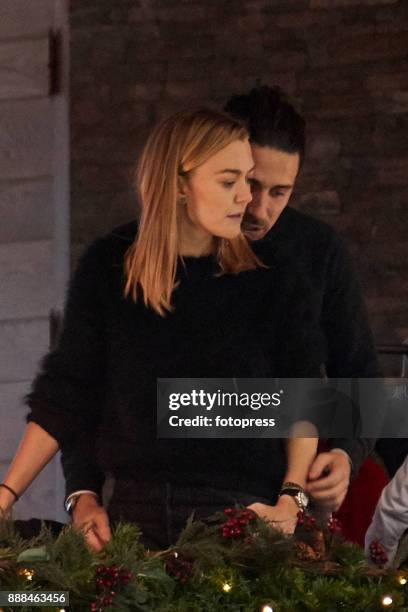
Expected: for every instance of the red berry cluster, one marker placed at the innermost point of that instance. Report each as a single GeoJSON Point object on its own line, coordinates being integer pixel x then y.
{"type": "Point", "coordinates": [334, 525]}
{"type": "Point", "coordinates": [377, 553]}
{"type": "Point", "coordinates": [237, 521]}
{"type": "Point", "coordinates": [307, 521]}
{"type": "Point", "coordinates": [108, 579]}
{"type": "Point", "coordinates": [179, 567]}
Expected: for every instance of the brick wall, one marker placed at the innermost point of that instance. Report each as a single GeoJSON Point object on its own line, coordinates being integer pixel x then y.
{"type": "Point", "coordinates": [345, 61]}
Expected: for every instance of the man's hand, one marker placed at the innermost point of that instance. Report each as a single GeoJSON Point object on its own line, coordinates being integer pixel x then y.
{"type": "Point", "coordinates": [282, 516]}
{"type": "Point", "coordinates": [329, 479]}
{"type": "Point", "coordinates": [92, 519]}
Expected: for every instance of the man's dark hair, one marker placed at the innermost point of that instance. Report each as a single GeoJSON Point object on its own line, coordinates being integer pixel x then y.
{"type": "Point", "coordinates": [271, 120]}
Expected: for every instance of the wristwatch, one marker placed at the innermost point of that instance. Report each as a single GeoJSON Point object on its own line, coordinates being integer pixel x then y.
{"type": "Point", "coordinates": [297, 492]}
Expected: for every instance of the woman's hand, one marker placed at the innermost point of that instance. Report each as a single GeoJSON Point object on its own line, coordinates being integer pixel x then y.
{"type": "Point", "coordinates": [6, 501]}
{"type": "Point", "coordinates": [92, 519]}
{"type": "Point", "coordinates": [37, 447]}
{"type": "Point", "coordinates": [282, 516]}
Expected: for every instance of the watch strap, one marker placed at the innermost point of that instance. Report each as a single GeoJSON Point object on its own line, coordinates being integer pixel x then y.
{"type": "Point", "coordinates": [297, 493]}
{"type": "Point", "coordinates": [292, 485]}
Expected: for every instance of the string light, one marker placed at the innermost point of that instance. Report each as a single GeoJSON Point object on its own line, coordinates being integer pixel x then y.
{"type": "Point", "coordinates": [226, 587]}
{"type": "Point", "coordinates": [267, 608]}
{"type": "Point", "coordinates": [387, 601]}
{"type": "Point", "coordinates": [402, 580]}
{"type": "Point", "coordinates": [28, 574]}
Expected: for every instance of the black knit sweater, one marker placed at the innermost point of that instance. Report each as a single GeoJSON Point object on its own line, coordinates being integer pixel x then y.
{"type": "Point", "coordinates": [97, 391]}
{"type": "Point", "coordinates": [325, 262]}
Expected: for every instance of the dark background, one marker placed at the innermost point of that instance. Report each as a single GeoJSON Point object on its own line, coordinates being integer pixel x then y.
{"type": "Point", "coordinates": [343, 62]}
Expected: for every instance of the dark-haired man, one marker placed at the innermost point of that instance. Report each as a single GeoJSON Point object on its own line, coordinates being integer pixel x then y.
{"type": "Point", "coordinates": [277, 134]}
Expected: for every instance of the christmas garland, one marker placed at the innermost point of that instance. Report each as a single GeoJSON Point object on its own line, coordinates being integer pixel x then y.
{"type": "Point", "coordinates": [232, 562]}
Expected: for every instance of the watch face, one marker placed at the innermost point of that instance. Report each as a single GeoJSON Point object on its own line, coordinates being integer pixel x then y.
{"type": "Point", "coordinates": [303, 499]}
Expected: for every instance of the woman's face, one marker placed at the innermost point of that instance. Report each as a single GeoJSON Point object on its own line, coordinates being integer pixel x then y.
{"type": "Point", "coordinates": [217, 192]}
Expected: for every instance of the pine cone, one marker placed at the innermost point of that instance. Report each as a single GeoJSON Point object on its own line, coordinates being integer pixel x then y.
{"type": "Point", "coordinates": [305, 552]}
{"type": "Point", "coordinates": [318, 543]}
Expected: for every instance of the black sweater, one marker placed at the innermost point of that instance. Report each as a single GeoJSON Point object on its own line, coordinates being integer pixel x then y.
{"type": "Point", "coordinates": [96, 394]}
{"type": "Point", "coordinates": [326, 264]}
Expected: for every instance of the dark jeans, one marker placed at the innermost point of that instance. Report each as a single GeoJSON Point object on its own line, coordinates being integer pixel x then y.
{"type": "Point", "coordinates": [162, 509]}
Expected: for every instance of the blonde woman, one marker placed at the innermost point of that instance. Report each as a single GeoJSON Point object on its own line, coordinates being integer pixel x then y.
{"type": "Point", "coordinates": [182, 295]}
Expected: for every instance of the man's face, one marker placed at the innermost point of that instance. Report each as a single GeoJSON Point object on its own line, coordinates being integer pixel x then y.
{"type": "Point", "coordinates": [271, 186]}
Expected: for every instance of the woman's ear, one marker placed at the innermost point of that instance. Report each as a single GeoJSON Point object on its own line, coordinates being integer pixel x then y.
{"type": "Point", "coordinates": [182, 188]}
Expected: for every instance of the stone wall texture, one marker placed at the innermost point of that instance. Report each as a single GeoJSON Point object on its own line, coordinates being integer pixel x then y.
{"type": "Point", "coordinates": [343, 61]}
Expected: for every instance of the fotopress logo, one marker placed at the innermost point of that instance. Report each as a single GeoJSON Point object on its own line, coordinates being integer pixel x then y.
{"type": "Point", "coordinates": [221, 399]}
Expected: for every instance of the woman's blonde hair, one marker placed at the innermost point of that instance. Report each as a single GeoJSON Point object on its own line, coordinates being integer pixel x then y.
{"type": "Point", "coordinates": [176, 146]}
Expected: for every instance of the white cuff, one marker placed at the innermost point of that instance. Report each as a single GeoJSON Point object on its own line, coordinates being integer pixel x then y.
{"type": "Point", "coordinates": [72, 497]}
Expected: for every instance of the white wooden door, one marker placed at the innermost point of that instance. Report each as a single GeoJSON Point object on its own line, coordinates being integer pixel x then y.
{"type": "Point", "coordinates": [34, 228]}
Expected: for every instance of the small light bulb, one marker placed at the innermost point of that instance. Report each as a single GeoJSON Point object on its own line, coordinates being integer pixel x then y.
{"type": "Point", "coordinates": [28, 574]}
{"type": "Point", "coordinates": [226, 587]}
{"type": "Point", "coordinates": [402, 580]}
{"type": "Point", "coordinates": [61, 610]}
{"type": "Point", "coordinates": [386, 601]}
{"type": "Point", "coordinates": [267, 608]}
